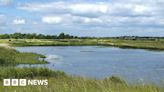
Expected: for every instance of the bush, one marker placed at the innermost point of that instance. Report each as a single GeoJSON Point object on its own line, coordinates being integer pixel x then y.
{"type": "Point", "coordinates": [114, 80]}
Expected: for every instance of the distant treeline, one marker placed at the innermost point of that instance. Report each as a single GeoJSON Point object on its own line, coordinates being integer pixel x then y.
{"type": "Point", "coordinates": [137, 38]}
{"type": "Point", "coordinates": [36, 36]}
{"type": "Point", "coordinates": [67, 36]}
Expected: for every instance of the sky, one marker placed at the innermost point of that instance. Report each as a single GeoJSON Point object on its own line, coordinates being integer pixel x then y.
{"type": "Point", "coordinates": [100, 18]}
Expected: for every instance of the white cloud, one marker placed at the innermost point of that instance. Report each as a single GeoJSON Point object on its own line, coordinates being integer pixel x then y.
{"type": "Point", "coordinates": [92, 20]}
{"type": "Point", "coordinates": [140, 8]}
{"type": "Point", "coordinates": [107, 14]}
{"type": "Point", "coordinates": [89, 9]}
{"type": "Point", "coordinates": [79, 9]}
{"type": "Point", "coordinates": [92, 10]}
{"type": "Point", "coordinates": [19, 21]}
{"type": "Point", "coordinates": [98, 12]}
{"type": "Point", "coordinates": [51, 19]}
{"type": "Point", "coordinates": [44, 7]}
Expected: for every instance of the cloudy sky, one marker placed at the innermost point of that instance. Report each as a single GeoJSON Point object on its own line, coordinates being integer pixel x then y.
{"type": "Point", "coordinates": [83, 17]}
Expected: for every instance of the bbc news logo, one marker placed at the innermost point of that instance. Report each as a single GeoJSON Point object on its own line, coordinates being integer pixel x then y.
{"type": "Point", "coordinates": [24, 82]}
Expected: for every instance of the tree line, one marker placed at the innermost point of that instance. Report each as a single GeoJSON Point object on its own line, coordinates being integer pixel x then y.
{"type": "Point", "coordinates": [36, 36]}
{"type": "Point", "coordinates": [67, 36]}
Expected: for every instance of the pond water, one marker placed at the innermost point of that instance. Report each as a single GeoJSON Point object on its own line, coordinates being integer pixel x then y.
{"type": "Point", "coordinates": [133, 65]}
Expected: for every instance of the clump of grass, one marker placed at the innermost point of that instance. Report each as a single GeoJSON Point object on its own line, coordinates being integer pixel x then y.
{"type": "Point", "coordinates": [7, 56]}
{"type": "Point", "coordinates": [28, 72]}
{"type": "Point", "coordinates": [115, 79]}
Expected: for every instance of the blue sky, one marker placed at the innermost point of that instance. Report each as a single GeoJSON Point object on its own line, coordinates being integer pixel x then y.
{"type": "Point", "coordinates": [83, 17]}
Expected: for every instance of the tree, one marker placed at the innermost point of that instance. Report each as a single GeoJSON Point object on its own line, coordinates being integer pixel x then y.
{"type": "Point", "coordinates": [4, 36]}
{"type": "Point", "coordinates": [36, 36]}
{"type": "Point", "coordinates": [61, 36]}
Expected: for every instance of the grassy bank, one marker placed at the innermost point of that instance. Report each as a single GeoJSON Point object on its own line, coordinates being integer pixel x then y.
{"type": "Point", "coordinates": [9, 56]}
{"type": "Point", "coordinates": [28, 72]}
{"type": "Point", "coordinates": [122, 43]}
{"type": "Point", "coordinates": [60, 82]}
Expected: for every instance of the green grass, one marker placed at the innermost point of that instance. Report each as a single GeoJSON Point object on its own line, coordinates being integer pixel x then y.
{"type": "Point", "coordinates": [29, 58]}
{"type": "Point", "coordinates": [51, 42]}
{"type": "Point", "coordinates": [60, 82]}
{"type": "Point", "coordinates": [27, 72]}
{"type": "Point", "coordinates": [78, 84]}
{"type": "Point", "coordinates": [9, 56]}
{"type": "Point", "coordinates": [122, 43]}
{"type": "Point", "coordinates": [136, 44]}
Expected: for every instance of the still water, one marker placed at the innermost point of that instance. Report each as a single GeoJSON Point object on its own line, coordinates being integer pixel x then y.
{"type": "Point", "coordinates": [133, 65]}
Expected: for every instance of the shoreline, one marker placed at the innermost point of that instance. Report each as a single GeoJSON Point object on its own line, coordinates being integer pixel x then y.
{"type": "Point", "coordinates": [124, 44]}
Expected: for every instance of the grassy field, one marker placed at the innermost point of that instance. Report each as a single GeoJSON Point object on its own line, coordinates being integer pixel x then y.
{"type": "Point", "coordinates": [58, 81]}
{"type": "Point", "coordinates": [78, 84]}
{"type": "Point", "coordinates": [122, 43]}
